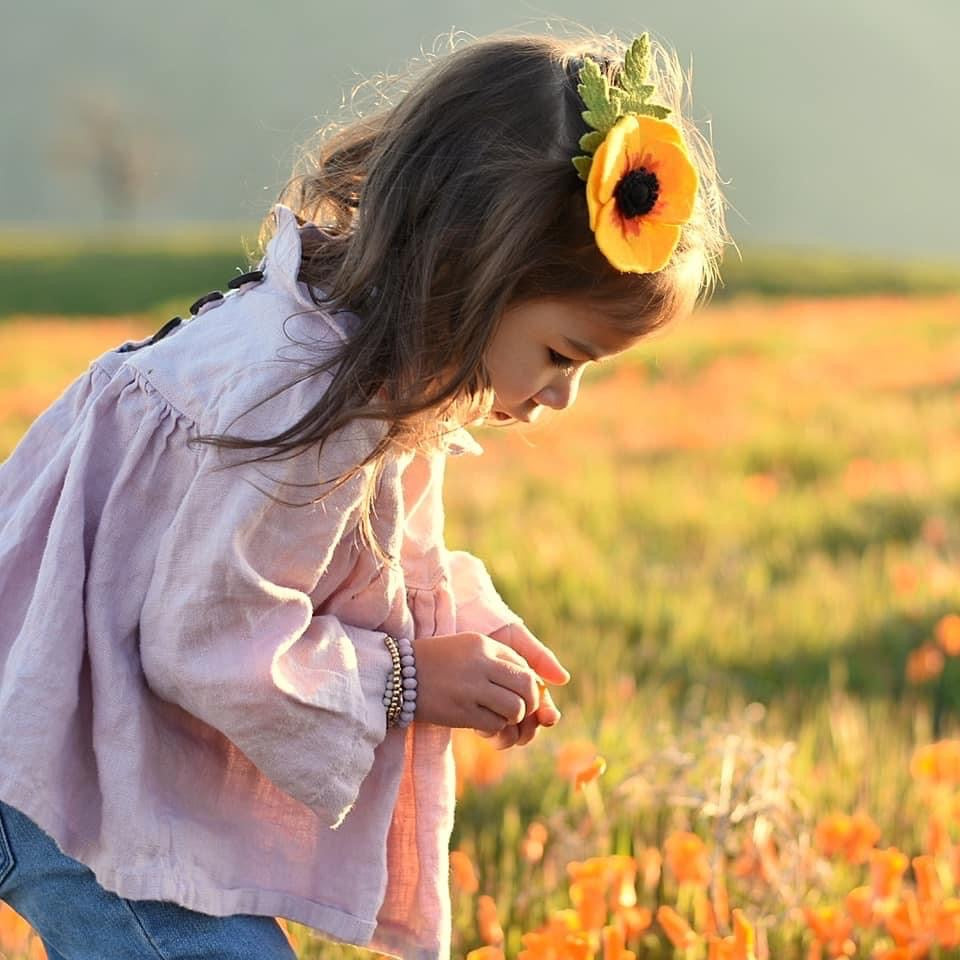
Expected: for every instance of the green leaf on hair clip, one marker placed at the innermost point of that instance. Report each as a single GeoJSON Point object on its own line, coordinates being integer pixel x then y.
{"type": "Point", "coordinates": [634, 81]}
{"type": "Point", "coordinates": [603, 104]}
{"type": "Point", "coordinates": [636, 67]}
{"type": "Point", "coordinates": [583, 165]}
{"type": "Point", "coordinates": [590, 141]}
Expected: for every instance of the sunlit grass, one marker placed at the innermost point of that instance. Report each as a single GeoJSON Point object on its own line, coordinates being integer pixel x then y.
{"type": "Point", "coordinates": [743, 532]}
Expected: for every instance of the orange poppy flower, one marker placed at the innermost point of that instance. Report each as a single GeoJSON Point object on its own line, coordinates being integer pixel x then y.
{"type": "Point", "coordinates": [641, 190]}
{"type": "Point", "coordinates": [937, 763]}
{"type": "Point", "coordinates": [572, 756]}
{"type": "Point", "coordinates": [590, 773]}
{"type": "Point", "coordinates": [488, 924]}
{"type": "Point", "coordinates": [687, 858]}
{"type": "Point", "coordinates": [531, 847]}
{"type": "Point", "coordinates": [850, 837]}
{"type": "Point", "coordinates": [928, 881]}
{"type": "Point", "coordinates": [828, 924]}
{"type": "Point", "coordinates": [486, 953]}
{"type": "Point", "coordinates": [859, 904]}
{"type": "Point", "coordinates": [464, 874]}
{"type": "Point", "coordinates": [633, 921]}
{"type": "Point", "coordinates": [588, 896]}
{"type": "Point", "coordinates": [676, 928]}
{"type": "Point", "coordinates": [925, 663]}
{"type": "Point", "coordinates": [744, 936]}
{"type": "Point", "coordinates": [948, 634]}
{"type": "Point", "coordinates": [559, 937]}
{"type": "Point", "coordinates": [615, 945]}
{"type": "Point", "coordinates": [886, 871]}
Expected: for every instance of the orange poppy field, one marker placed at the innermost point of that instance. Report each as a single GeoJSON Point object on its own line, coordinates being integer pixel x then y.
{"type": "Point", "coordinates": [743, 543]}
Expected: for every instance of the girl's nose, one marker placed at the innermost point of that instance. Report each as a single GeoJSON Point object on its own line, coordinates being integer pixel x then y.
{"type": "Point", "coordinates": [561, 392]}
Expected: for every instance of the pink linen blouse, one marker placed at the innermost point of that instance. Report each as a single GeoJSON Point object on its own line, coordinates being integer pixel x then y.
{"type": "Point", "coordinates": [191, 675]}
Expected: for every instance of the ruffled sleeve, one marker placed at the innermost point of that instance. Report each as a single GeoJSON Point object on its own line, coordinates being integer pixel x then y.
{"type": "Point", "coordinates": [229, 630]}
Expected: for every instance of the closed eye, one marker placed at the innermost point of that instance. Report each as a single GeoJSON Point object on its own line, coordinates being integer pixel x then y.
{"type": "Point", "coordinates": [564, 363]}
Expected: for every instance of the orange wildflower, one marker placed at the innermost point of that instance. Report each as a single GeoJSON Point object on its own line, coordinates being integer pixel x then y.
{"type": "Point", "coordinates": [477, 761]}
{"type": "Point", "coordinates": [928, 883]}
{"type": "Point", "coordinates": [722, 949]}
{"type": "Point", "coordinates": [850, 837]}
{"type": "Point", "coordinates": [687, 858]}
{"type": "Point", "coordinates": [486, 953]}
{"type": "Point", "coordinates": [905, 579]}
{"type": "Point", "coordinates": [559, 937]}
{"type": "Point", "coordinates": [948, 922]}
{"type": "Point", "coordinates": [829, 925]}
{"type": "Point", "coordinates": [641, 189]}
{"type": "Point", "coordinates": [633, 921]}
{"type": "Point", "coordinates": [588, 896]}
{"type": "Point", "coordinates": [615, 945]}
{"type": "Point", "coordinates": [676, 928]}
{"type": "Point", "coordinates": [925, 663]}
{"type": "Point", "coordinates": [744, 936]}
{"type": "Point", "coordinates": [531, 847]}
{"type": "Point", "coordinates": [572, 756]}
{"type": "Point", "coordinates": [464, 875]}
{"type": "Point", "coordinates": [488, 924]}
{"type": "Point", "coordinates": [859, 904]}
{"type": "Point", "coordinates": [908, 925]}
{"type": "Point", "coordinates": [17, 936]}
{"type": "Point", "coordinates": [590, 773]}
{"type": "Point", "coordinates": [886, 871]}
{"type": "Point", "coordinates": [947, 632]}
{"type": "Point", "coordinates": [762, 487]}
{"type": "Point", "coordinates": [937, 763]}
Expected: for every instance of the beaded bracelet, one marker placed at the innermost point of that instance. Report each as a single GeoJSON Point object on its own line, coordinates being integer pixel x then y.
{"type": "Point", "coordinates": [400, 697]}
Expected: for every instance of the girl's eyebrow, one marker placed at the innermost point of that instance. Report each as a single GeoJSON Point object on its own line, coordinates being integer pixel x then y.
{"type": "Point", "coordinates": [592, 352]}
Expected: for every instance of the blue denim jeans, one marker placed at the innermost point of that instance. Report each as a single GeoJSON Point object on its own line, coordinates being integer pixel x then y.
{"type": "Point", "coordinates": [77, 919]}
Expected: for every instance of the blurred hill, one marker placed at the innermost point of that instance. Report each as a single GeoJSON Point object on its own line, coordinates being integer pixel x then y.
{"type": "Point", "coordinates": [830, 119]}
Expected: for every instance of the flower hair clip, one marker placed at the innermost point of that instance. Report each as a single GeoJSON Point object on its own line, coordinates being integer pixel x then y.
{"type": "Point", "coordinates": [641, 182]}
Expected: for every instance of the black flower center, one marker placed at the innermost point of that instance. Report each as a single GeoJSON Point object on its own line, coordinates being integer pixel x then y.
{"type": "Point", "coordinates": [637, 192]}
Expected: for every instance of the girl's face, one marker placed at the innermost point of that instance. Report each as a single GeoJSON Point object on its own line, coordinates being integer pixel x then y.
{"type": "Point", "coordinates": [539, 352]}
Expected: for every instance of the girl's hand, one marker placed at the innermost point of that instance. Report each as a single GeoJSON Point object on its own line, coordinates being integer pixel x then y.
{"type": "Point", "coordinates": [519, 638]}
{"type": "Point", "coordinates": [474, 681]}
{"type": "Point", "coordinates": [520, 734]}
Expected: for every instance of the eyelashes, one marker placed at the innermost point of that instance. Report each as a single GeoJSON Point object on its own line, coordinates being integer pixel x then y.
{"type": "Point", "coordinates": [564, 363]}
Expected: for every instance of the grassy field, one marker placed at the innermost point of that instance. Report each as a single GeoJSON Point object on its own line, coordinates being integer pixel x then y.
{"type": "Point", "coordinates": [117, 273]}
{"type": "Point", "coordinates": [737, 542]}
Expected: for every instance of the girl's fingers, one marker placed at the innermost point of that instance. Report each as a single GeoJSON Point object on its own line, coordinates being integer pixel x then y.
{"type": "Point", "coordinates": [540, 658]}
{"type": "Point", "coordinates": [547, 713]}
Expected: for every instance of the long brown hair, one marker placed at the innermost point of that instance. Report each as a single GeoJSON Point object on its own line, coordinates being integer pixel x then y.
{"type": "Point", "coordinates": [427, 218]}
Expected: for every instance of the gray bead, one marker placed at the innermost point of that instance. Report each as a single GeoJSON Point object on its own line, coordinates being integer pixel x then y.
{"type": "Point", "coordinates": [409, 696]}
{"type": "Point", "coordinates": [409, 671]}
{"type": "Point", "coordinates": [409, 683]}
{"type": "Point", "coordinates": [407, 660]}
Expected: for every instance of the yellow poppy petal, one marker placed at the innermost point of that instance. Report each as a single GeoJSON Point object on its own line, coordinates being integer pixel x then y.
{"type": "Point", "coordinates": [678, 183]}
{"type": "Point", "coordinates": [638, 245]}
{"type": "Point", "coordinates": [652, 130]}
{"type": "Point", "coordinates": [609, 165]}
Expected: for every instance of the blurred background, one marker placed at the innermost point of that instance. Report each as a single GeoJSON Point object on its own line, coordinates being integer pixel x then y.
{"type": "Point", "coordinates": [744, 539]}
{"type": "Point", "coordinates": [831, 120]}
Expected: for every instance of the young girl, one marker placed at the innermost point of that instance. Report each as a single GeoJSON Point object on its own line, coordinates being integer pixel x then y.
{"type": "Point", "coordinates": [230, 660]}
